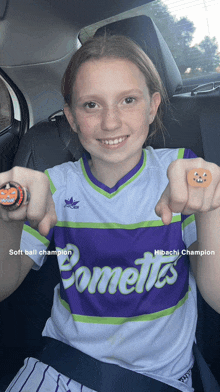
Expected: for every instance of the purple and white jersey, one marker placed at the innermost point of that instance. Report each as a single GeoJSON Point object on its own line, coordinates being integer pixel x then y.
{"type": "Point", "coordinates": [126, 294]}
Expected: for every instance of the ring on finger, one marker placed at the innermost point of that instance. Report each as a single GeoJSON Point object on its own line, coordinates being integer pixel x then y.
{"type": "Point", "coordinates": [199, 178]}
{"type": "Point", "coordinates": [13, 195]}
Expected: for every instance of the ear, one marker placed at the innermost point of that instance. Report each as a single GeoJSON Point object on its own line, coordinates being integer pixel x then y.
{"type": "Point", "coordinates": [154, 105]}
{"type": "Point", "coordinates": [70, 118]}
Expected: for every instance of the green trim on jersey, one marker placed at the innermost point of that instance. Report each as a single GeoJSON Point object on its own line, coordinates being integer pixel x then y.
{"type": "Point", "coordinates": [181, 153]}
{"type": "Point", "coordinates": [187, 221]}
{"type": "Point", "coordinates": [37, 235]}
{"type": "Point", "coordinates": [96, 225]}
{"type": "Point", "coordinates": [104, 193]}
{"type": "Point", "coordinates": [52, 187]}
{"type": "Point", "coordinates": [122, 320]}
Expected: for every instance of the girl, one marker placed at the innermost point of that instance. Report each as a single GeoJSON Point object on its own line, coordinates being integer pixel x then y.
{"type": "Point", "coordinates": [126, 221]}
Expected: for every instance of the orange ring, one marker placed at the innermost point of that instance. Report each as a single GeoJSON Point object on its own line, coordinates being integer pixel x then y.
{"type": "Point", "coordinates": [13, 195]}
{"type": "Point", "coordinates": [201, 178]}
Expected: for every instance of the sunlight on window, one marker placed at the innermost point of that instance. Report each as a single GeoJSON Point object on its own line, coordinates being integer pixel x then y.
{"type": "Point", "coordinates": [196, 25]}
{"type": "Point", "coordinates": [190, 28]}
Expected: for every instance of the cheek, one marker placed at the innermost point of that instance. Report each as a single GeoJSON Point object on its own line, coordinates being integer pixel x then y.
{"type": "Point", "coordinates": [86, 126]}
{"type": "Point", "coordinates": [139, 124]}
{"type": "Point", "coordinates": [138, 119]}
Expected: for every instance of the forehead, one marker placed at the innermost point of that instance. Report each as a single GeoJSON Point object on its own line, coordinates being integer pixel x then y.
{"type": "Point", "coordinates": [109, 73]}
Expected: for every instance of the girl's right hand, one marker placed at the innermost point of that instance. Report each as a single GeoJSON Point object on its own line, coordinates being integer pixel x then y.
{"type": "Point", "coordinates": [40, 211]}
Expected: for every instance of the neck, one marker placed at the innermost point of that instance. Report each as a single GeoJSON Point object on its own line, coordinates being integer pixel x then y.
{"type": "Point", "coordinates": [110, 173]}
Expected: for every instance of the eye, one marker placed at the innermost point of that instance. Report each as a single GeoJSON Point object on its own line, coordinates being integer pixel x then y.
{"type": "Point", "coordinates": [204, 175]}
{"type": "Point", "coordinates": [129, 100]}
{"type": "Point", "coordinates": [90, 105]}
{"type": "Point", "coordinates": [13, 193]}
{"type": "Point", "coordinates": [196, 174]}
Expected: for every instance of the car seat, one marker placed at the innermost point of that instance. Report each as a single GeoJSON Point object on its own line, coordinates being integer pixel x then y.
{"type": "Point", "coordinates": [51, 142]}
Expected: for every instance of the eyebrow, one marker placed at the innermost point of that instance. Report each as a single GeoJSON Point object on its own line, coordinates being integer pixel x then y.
{"type": "Point", "coordinates": [121, 93]}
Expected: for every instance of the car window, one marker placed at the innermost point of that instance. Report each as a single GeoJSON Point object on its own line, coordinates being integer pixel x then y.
{"type": "Point", "coordinates": [5, 107]}
{"type": "Point", "coordinates": [190, 28]}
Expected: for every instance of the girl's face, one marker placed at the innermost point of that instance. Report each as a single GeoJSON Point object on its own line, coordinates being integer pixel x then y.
{"type": "Point", "coordinates": [112, 110]}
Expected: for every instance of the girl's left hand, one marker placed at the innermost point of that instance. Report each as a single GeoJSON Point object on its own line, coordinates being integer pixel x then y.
{"type": "Point", "coordinates": [181, 197]}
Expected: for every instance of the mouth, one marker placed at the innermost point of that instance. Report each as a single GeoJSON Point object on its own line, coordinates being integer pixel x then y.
{"type": "Point", "coordinates": [115, 141]}
{"type": "Point", "coordinates": [199, 180]}
{"type": "Point", "coordinates": [7, 200]}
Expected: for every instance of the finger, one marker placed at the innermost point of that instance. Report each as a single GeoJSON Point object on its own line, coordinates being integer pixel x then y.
{"type": "Point", "coordinates": [216, 197]}
{"type": "Point", "coordinates": [203, 194]}
{"type": "Point", "coordinates": [5, 177]}
{"type": "Point", "coordinates": [178, 186]}
{"type": "Point", "coordinates": [40, 199]}
{"type": "Point", "coordinates": [49, 220]}
{"type": "Point", "coordinates": [19, 214]}
{"type": "Point", "coordinates": [37, 184]}
{"type": "Point", "coordinates": [199, 177]}
{"type": "Point", "coordinates": [195, 200]}
{"type": "Point", "coordinates": [46, 224]}
{"type": "Point", "coordinates": [165, 214]}
{"type": "Point", "coordinates": [37, 206]}
{"type": "Point", "coordinates": [4, 214]}
{"type": "Point", "coordinates": [162, 208]}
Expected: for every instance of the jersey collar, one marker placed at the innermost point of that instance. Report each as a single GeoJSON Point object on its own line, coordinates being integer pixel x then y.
{"type": "Point", "coordinates": [121, 184]}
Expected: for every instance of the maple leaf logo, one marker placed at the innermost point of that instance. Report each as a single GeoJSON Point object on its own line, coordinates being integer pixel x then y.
{"type": "Point", "coordinates": [71, 203]}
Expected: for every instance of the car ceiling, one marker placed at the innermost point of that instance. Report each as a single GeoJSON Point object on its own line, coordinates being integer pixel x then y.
{"type": "Point", "coordinates": [38, 38]}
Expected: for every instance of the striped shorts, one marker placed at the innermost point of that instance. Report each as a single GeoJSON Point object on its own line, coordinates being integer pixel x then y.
{"type": "Point", "coordinates": [36, 376]}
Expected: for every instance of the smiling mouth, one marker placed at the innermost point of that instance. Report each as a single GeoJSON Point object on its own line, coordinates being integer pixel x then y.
{"type": "Point", "coordinates": [7, 200]}
{"type": "Point", "coordinates": [199, 180]}
{"type": "Point", "coordinates": [113, 141]}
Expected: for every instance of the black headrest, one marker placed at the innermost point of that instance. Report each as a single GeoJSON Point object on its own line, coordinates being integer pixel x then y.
{"type": "Point", "coordinates": [47, 144]}
{"type": "Point", "coordinates": [144, 32]}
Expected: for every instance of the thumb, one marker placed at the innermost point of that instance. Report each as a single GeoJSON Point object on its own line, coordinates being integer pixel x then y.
{"type": "Point", "coordinates": [49, 220]}
{"type": "Point", "coordinates": [162, 208]}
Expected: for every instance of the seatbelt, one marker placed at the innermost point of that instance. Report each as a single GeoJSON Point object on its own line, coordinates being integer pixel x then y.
{"type": "Point", "coordinates": [94, 374]}
{"type": "Point", "coordinates": [208, 380]}
{"type": "Point", "coordinates": [106, 377]}
{"type": "Point", "coordinates": [209, 118]}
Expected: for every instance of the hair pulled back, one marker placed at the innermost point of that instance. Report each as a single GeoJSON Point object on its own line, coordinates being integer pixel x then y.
{"type": "Point", "coordinates": [119, 47]}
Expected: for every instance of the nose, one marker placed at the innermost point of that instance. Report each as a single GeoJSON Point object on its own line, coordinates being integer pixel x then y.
{"type": "Point", "coordinates": [111, 119]}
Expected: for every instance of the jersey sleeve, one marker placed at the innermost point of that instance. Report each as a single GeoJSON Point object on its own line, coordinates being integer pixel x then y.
{"type": "Point", "coordinates": [189, 154]}
{"type": "Point", "coordinates": [189, 234]}
{"type": "Point", "coordinates": [33, 244]}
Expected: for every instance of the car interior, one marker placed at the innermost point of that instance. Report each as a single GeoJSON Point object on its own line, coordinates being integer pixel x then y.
{"type": "Point", "coordinates": [37, 40]}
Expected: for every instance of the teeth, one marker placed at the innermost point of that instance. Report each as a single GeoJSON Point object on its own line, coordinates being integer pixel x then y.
{"type": "Point", "coordinates": [8, 200]}
{"type": "Point", "coordinates": [116, 141]}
